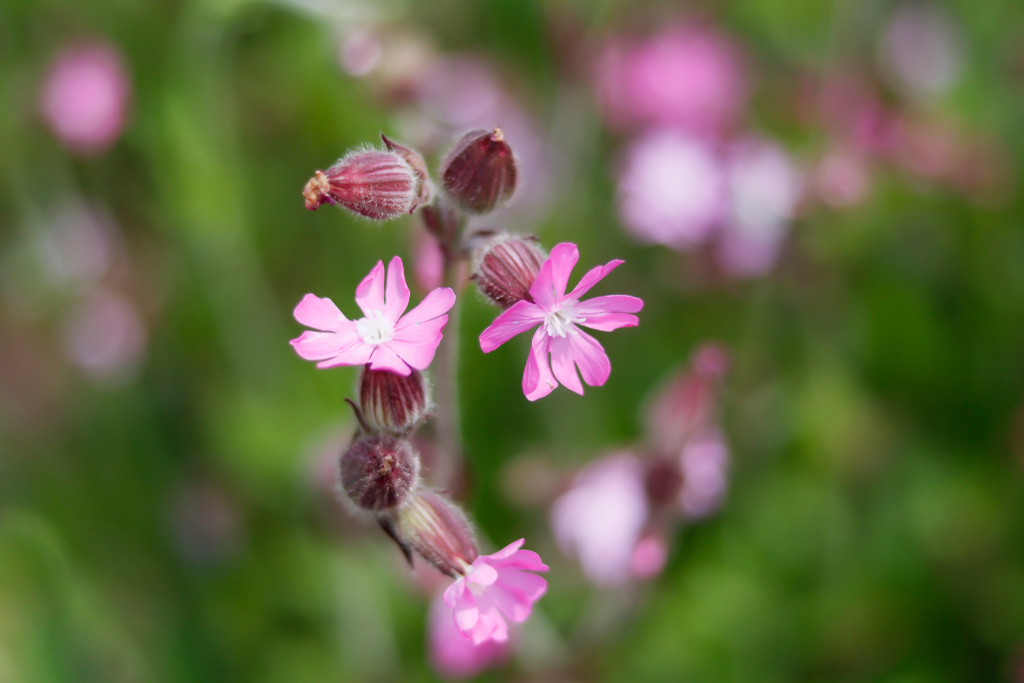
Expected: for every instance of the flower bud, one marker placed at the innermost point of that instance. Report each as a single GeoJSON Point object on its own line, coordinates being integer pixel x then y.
{"type": "Point", "coordinates": [435, 527]}
{"type": "Point", "coordinates": [390, 402]}
{"type": "Point", "coordinates": [417, 164]}
{"type": "Point", "coordinates": [506, 267]}
{"type": "Point", "coordinates": [379, 472]}
{"type": "Point", "coordinates": [481, 171]}
{"type": "Point", "coordinates": [373, 183]}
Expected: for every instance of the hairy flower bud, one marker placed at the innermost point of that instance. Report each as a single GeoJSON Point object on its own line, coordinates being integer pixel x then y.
{"type": "Point", "coordinates": [373, 183]}
{"type": "Point", "coordinates": [481, 171]}
{"type": "Point", "coordinates": [436, 528]}
{"type": "Point", "coordinates": [506, 267]}
{"type": "Point", "coordinates": [390, 402]}
{"type": "Point", "coordinates": [378, 472]}
{"type": "Point", "coordinates": [417, 164]}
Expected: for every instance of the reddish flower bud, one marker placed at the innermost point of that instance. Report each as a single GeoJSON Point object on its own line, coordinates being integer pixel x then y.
{"type": "Point", "coordinates": [481, 171]}
{"type": "Point", "coordinates": [506, 267]}
{"type": "Point", "coordinates": [435, 527]}
{"type": "Point", "coordinates": [418, 166]}
{"type": "Point", "coordinates": [378, 472]}
{"type": "Point", "coordinates": [372, 183]}
{"type": "Point", "coordinates": [390, 402]}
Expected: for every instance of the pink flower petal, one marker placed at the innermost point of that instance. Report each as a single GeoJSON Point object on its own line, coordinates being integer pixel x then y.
{"type": "Point", "coordinates": [355, 352]}
{"type": "Point", "coordinates": [385, 358]}
{"type": "Point", "coordinates": [321, 314]}
{"type": "Point", "coordinates": [483, 573]}
{"type": "Point", "coordinates": [610, 321]}
{"type": "Point", "coordinates": [613, 303]}
{"type": "Point", "coordinates": [397, 297]}
{"type": "Point", "coordinates": [590, 357]}
{"type": "Point", "coordinates": [562, 364]}
{"type": "Point", "coordinates": [507, 551]}
{"type": "Point", "coordinates": [417, 345]}
{"type": "Point", "coordinates": [549, 287]}
{"type": "Point", "coordinates": [526, 560]}
{"type": "Point", "coordinates": [435, 304]}
{"type": "Point", "coordinates": [518, 319]}
{"type": "Point", "coordinates": [370, 292]}
{"type": "Point", "coordinates": [607, 313]}
{"type": "Point", "coordinates": [593, 276]}
{"type": "Point", "coordinates": [538, 381]}
{"type": "Point", "coordinates": [312, 345]}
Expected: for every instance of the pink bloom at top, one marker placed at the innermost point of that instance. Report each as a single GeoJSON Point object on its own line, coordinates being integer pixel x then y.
{"type": "Point", "coordinates": [687, 77]}
{"type": "Point", "coordinates": [494, 588]}
{"type": "Point", "coordinates": [385, 338]}
{"type": "Point", "coordinates": [672, 189]}
{"type": "Point", "coordinates": [558, 315]}
{"type": "Point", "coordinates": [85, 97]}
{"type": "Point", "coordinates": [453, 655]}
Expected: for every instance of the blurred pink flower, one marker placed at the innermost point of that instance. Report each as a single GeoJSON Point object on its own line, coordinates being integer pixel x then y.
{"type": "Point", "coordinates": [104, 336]}
{"type": "Point", "coordinates": [920, 51]}
{"type": "Point", "coordinates": [671, 189]}
{"type": "Point", "coordinates": [556, 316]}
{"type": "Point", "coordinates": [764, 187]}
{"type": "Point", "coordinates": [385, 338]}
{"type": "Point", "coordinates": [704, 463]}
{"type": "Point", "coordinates": [688, 402]}
{"type": "Point", "coordinates": [649, 556]}
{"type": "Point", "coordinates": [600, 518]}
{"type": "Point", "coordinates": [453, 655]}
{"type": "Point", "coordinates": [688, 77]}
{"type": "Point", "coordinates": [494, 588]}
{"type": "Point", "coordinates": [84, 97]}
{"type": "Point", "coordinates": [428, 261]}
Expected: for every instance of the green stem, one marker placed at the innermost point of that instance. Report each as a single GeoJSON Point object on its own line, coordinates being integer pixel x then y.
{"type": "Point", "coordinates": [449, 432]}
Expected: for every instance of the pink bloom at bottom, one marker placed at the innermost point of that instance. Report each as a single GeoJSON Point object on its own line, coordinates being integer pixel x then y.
{"type": "Point", "coordinates": [494, 588]}
{"type": "Point", "coordinates": [453, 655]}
{"type": "Point", "coordinates": [557, 316]}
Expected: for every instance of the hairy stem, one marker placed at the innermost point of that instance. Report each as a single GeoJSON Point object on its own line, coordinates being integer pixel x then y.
{"type": "Point", "coordinates": [449, 430]}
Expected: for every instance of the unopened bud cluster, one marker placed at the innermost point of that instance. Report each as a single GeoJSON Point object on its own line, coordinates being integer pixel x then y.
{"type": "Point", "coordinates": [380, 473]}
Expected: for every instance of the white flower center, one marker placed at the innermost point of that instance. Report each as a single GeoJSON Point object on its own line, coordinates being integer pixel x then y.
{"type": "Point", "coordinates": [561, 321]}
{"type": "Point", "coordinates": [375, 329]}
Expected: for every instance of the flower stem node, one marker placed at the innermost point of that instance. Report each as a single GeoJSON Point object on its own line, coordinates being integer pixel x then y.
{"type": "Point", "coordinates": [505, 268]}
{"type": "Point", "coordinates": [480, 173]}
{"type": "Point", "coordinates": [391, 402]}
{"type": "Point", "coordinates": [378, 184]}
{"type": "Point", "coordinates": [379, 472]}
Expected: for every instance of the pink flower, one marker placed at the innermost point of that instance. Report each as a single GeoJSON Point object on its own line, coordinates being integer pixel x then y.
{"type": "Point", "coordinates": [671, 189]}
{"type": "Point", "coordinates": [686, 76]}
{"type": "Point", "coordinates": [558, 315]}
{"type": "Point", "coordinates": [494, 588]}
{"type": "Point", "coordinates": [85, 97]}
{"type": "Point", "coordinates": [453, 655]}
{"type": "Point", "coordinates": [601, 517]}
{"type": "Point", "coordinates": [384, 338]}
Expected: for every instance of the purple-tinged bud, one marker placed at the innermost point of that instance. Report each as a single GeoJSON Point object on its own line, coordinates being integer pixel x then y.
{"type": "Point", "coordinates": [436, 528]}
{"type": "Point", "coordinates": [506, 267]}
{"type": "Point", "coordinates": [392, 403]}
{"type": "Point", "coordinates": [378, 472]}
{"type": "Point", "coordinates": [481, 171]}
{"type": "Point", "coordinates": [373, 183]}
{"type": "Point", "coordinates": [418, 166]}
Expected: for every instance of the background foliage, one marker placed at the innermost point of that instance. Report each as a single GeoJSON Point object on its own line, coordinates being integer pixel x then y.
{"type": "Point", "coordinates": [171, 522]}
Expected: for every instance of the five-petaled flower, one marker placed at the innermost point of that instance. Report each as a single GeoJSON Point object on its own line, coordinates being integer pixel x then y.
{"type": "Point", "coordinates": [494, 588]}
{"type": "Point", "coordinates": [385, 338]}
{"type": "Point", "coordinates": [559, 314]}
